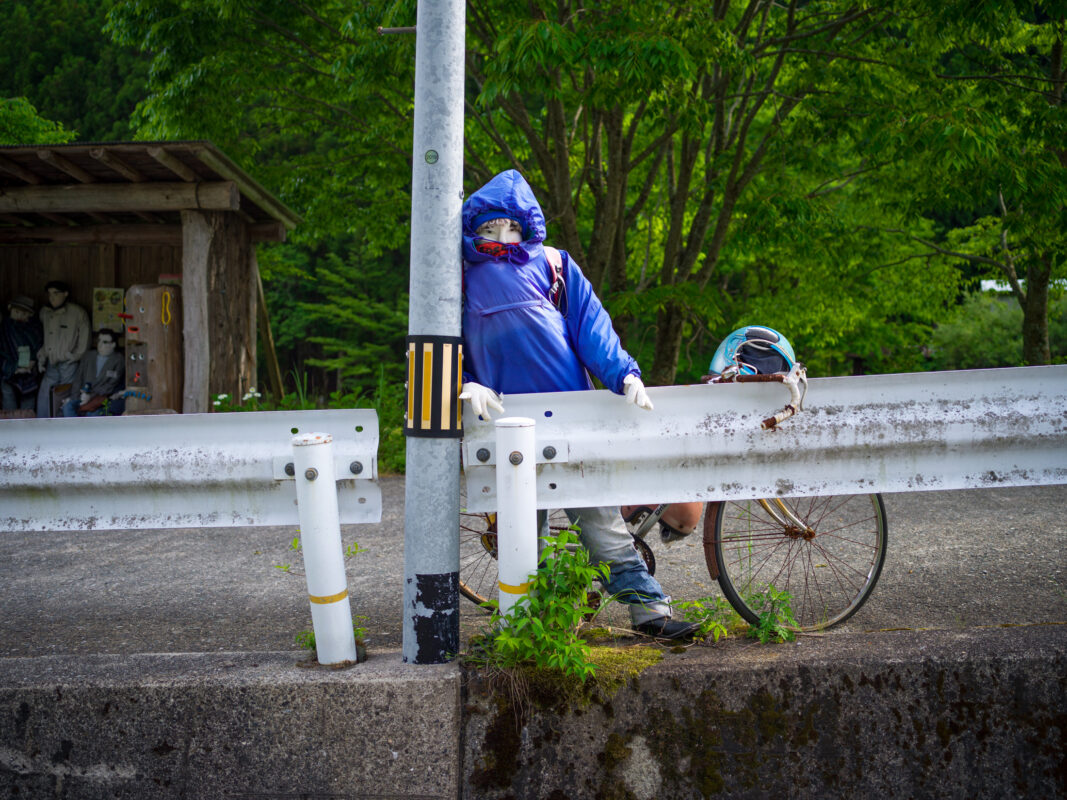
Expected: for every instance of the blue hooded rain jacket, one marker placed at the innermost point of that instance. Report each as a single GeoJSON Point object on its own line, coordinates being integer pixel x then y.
{"type": "Point", "coordinates": [515, 340]}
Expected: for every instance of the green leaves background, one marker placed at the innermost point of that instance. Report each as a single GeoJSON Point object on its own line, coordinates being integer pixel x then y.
{"type": "Point", "coordinates": [844, 172]}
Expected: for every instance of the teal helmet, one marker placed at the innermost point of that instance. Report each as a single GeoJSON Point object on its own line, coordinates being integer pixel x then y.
{"type": "Point", "coordinates": [754, 350]}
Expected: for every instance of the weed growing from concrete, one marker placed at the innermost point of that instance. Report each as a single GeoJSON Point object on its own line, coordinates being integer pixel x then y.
{"type": "Point", "coordinates": [776, 622]}
{"type": "Point", "coordinates": [541, 629]}
{"type": "Point", "coordinates": [306, 639]}
{"type": "Point", "coordinates": [714, 615]}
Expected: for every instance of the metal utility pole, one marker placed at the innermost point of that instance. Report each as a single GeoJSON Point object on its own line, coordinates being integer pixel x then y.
{"type": "Point", "coordinates": [433, 426]}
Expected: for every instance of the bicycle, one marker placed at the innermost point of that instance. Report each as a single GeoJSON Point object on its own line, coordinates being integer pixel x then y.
{"type": "Point", "coordinates": [827, 551]}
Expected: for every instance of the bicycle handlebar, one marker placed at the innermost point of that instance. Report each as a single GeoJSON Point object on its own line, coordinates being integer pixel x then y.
{"type": "Point", "coordinates": [796, 380]}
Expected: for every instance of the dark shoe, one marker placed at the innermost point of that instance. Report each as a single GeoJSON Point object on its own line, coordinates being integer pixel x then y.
{"type": "Point", "coordinates": [667, 628]}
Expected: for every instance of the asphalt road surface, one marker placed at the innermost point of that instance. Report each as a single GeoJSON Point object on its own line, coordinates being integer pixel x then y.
{"type": "Point", "coordinates": [955, 559]}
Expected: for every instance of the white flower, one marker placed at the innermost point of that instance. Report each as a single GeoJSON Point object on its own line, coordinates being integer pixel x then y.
{"type": "Point", "coordinates": [217, 403]}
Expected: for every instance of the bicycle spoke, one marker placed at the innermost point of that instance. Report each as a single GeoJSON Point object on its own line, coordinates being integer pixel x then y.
{"type": "Point", "coordinates": [826, 552]}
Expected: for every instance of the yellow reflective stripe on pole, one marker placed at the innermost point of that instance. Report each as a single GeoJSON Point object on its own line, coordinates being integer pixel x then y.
{"type": "Point", "coordinates": [446, 379]}
{"type": "Point", "coordinates": [427, 385]}
{"type": "Point", "coordinates": [459, 388]}
{"type": "Point", "coordinates": [330, 598]}
{"type": "Point", "coordinates": [522, 588]}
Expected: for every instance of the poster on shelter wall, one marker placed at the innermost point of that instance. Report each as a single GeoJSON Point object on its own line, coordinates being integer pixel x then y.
{"type": "Point", "coordinates": [107, 306]}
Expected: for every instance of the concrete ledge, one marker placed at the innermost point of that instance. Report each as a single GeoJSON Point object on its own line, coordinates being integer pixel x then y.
{"type": "Point", "coordinates": [970, 713]}
{"type": "Point", "coordinates": [238, 725]}
{"type": "Point", "coordinates": [978, 713]}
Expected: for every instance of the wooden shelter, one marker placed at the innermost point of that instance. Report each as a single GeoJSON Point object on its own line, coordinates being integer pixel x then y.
{"type": "Point", "coordinates": [134, 213]}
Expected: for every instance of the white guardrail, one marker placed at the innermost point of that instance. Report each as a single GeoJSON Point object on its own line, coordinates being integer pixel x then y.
{"type": "Point", "coordinates": [178, 471]}
{"type": "Point", "coordinates": [877, 433]}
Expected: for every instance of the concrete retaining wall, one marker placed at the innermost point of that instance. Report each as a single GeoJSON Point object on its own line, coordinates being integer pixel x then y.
{"type": "Point", "coordinates": [226, 726]}
{"type": "Point", "coordinates": [968, 714]}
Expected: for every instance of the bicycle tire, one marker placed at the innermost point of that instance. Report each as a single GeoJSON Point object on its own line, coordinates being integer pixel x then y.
{"type": "Point", "coordinates": [477, 551]}
{"type": "Point", "coordinates": [829, 565]}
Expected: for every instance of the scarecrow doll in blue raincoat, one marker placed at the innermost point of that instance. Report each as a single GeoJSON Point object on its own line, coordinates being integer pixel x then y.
{"type": "Point", "coordinates": [532, 323]}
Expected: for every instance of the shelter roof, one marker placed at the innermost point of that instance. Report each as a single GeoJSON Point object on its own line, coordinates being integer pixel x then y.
{"type": "Point", "coordinates": [123, 183]}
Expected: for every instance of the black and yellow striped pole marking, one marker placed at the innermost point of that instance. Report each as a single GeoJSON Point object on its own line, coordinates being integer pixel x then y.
{"type": "Point", "coordinates": [435, 374]}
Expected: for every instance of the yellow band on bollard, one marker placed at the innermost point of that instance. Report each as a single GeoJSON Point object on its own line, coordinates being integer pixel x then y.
{"type": "Point", "coordinates": [333, 598]}
{"type": "Point", "coordinates": [522, 588]}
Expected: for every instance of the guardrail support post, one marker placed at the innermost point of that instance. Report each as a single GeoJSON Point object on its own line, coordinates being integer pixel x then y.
{"type": "Point", "coordinates": [320, 540]}
{"type": "Point", "coordinates": [516, 521]}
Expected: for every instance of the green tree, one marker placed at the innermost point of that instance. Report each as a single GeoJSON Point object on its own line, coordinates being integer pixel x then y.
{"type": "Point", "coordinates": [707, 164]}
{"type": "Point", "coordinates": [20, 123]}
{"type": "Point", "coordinates": [662, 117]}
{"type": "Point", "coordinates": [337, 311]}
{"type": "Point", "coordinates": [977, 145]}
{"type": "Point", "coordinates": [56, 54]}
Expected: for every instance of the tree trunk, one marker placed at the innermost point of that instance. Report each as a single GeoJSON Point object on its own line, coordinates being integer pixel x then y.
{"type": "Point", "coordinates": [1035, 313]}
{"type": "Point", "coordinates": [669, 323]}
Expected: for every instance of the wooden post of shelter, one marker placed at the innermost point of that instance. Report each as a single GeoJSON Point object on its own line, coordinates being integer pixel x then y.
{"type": "Point", "coordinates": [216, 266]}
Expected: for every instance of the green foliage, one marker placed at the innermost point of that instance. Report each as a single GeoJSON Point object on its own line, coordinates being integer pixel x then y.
{"type": "Point", "coordinates": [827, 169]}
{"type": "Point", "coordinates": [840, 172]}
{"type": "Point", "coordinates": [776, 622]}
{"type": "Point", "coordinates": [336, 314]}
{"type": "Point", "coordinates": [56, 55]}
{"type": "Point", "coordinates": [388, 400]}
{"type": "Point", "coordinates": [21, 124]}
{"type": "Point", "coordinates": [984, 333]}
{"type": "Point", "coordinates": [714, 614]}
{"type": "Point", "coordinates": [541, 630]}
{"type": "Point", "coordinates": [305, 639]}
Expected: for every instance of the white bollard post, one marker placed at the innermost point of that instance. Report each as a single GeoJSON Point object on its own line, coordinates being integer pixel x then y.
{"type": "Point", "coordinates": [516, 520]}
{"type": "Point", "coordinates": [320, 540]}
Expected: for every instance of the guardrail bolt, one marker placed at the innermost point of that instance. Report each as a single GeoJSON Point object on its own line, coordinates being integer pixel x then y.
{"type": "Point", "coordinates": [549, 452]}
{"type": "Point", "coordinates": [311, 473]}
{"type": "Point", "coordinates": [483, 454]}
{"type": "Point", "coordinates": [355, 468]}
{"type": "Point", "coordinates": [515, 458]}
{"type": "Point", "coordinates": [290, 469]}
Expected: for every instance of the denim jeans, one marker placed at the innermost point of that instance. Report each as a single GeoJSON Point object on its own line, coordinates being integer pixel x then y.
{"type": "Point", "coordinates": [12, 399]}
{"type": "Point", "coordinates": [112, 408]}
{"type": "Point", "coordinates": [604, 535]}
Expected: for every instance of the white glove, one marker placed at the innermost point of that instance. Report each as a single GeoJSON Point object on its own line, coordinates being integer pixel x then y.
{"type": "Point", "coordinates": [635, 392]}
{"type": "Point", "coordinates": [481, 399]}
{"type": "Point", "coordinates": [84, 398]}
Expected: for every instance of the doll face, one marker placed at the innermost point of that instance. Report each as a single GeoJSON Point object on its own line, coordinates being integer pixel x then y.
{"type": "Point", "coordinates": [56, 298]}
{"type": "Point", "coordinates": [19, 314]}
{"type": "Point", "coordinates": [105, 345]}
{"type": "Point", "coordinates": [503, 230]}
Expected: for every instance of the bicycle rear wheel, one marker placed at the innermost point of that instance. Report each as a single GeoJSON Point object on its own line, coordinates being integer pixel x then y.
{"type": "Point", "coordinates": [827, 552]}
{"type": "Point", "coordinates": [477, 550]}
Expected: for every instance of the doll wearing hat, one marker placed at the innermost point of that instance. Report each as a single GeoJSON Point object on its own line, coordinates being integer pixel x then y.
{"type": "Point", "coordinates": [21, 337]}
